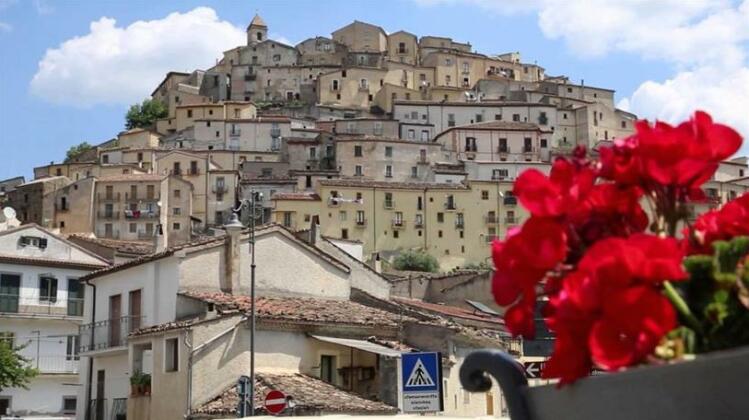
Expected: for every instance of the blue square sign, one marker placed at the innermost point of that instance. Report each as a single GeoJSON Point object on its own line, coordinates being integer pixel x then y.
{"type": "Point", "coordinates": [421, 381]}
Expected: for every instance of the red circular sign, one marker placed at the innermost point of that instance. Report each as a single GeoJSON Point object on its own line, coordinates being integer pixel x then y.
{"type": "Point", "coordinates": [275, 402]}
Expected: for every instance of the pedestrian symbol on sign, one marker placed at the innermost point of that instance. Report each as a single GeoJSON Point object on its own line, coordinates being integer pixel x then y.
{"type": "Point", "coordinates": [419, 376]}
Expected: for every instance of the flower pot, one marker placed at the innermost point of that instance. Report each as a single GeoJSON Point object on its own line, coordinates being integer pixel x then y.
{"type": "Point", "coordinates": [710, 387]}
{"type": "Point", "coordinates": [133, 389]}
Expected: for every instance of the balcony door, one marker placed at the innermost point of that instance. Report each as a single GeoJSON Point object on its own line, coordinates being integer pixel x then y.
{"type": "Point", "coordinates": [115, 315]}
{"type": "Point", "coordinates": [75, 297]}
{"type": "Point", "coordinates": [10, 285]}
{"type": "Point", "coordinates": [134, 304]}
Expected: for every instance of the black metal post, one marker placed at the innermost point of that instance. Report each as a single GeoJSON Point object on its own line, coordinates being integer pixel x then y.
{"type": "Point", "coordinates": [252, 298]}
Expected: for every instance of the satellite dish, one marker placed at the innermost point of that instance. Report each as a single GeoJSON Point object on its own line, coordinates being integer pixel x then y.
{"type": "Point", "coordinates": [9, 213]}
{"type": "Point", "coordinates": [158, 203]}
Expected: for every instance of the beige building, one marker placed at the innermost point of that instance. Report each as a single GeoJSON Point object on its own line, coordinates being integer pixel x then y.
{"type": "Point", "coordinates": [403, 47]}
{"type": "Point", "coordinates": [180, 89]}
{"type": "Point", "coordinates": [367, 127]}
{"type": "Point", "coordinates": [321, 51]}
{"type": "Point", "coordinates": [362, 37]}
{"type": "Point", "coordinates": [185, 116]}
{"type": "Point", "coordinates": [133, 207]}
{"type": "Point", "coordinates": [453, 222]}
{"type": "Point", "coordinates": [385, 159]}
{"type": "Point", "coordinates": [497, 141]}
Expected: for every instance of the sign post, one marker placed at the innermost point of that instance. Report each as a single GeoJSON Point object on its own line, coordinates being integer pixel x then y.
{"type": "Point", "coordinates": [275, 402]}
{"type": "Point", "coordinates": [421, 381]}
{"type": "Point", "coordinates": [243, 391]}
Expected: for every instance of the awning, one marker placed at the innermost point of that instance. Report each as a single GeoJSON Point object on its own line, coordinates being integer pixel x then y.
{"type": "Point", "coordinates": [360, 345]}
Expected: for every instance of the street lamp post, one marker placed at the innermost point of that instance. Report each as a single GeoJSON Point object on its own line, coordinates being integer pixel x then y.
{"type": "Point", "coordinates": [235, 225]}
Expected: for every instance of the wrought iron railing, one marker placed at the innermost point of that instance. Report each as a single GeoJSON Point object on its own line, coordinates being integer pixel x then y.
{"type": "Point", "coordinates": [55, 364]}
{"type": "Point", "coordinates": [44, 305]}
{"type": "Point", "coordinates": [102, 335]}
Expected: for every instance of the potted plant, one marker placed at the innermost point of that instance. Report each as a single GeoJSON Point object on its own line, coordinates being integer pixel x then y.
{"type": "Point", "coordinates": [146, 383]}
{"type": "Point", "coordinates": [135, 383]}
{"type": "Point", "coordinates": [625, 287]}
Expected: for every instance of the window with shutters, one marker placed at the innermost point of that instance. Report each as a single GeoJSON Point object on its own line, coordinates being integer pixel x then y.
{"type": "Point", "coordinates": [47, 289]}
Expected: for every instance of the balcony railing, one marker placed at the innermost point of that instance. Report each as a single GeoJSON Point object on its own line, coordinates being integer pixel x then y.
{"type": "Point", "coordinates": [503, 149]}
{"type": "Point", "coordinates": [510, 201]}
{"type": "Point", "coordinates": [140, 197]}
{"type": "Point", "coordinates": [48, 306]}
{"type": "Point", "coordinates": [491, 219]}
{"type": "Point", "coordinates": [141, 214]}
{"type": "Point", "coordinates": [398, 223]}
{"type": "Point", "coordinates": [388, 204]}
{"type": "Point", "coordinates": [460, 224]}
{"type": "Point", "coordinates": [110, 333]}
{"type": "Point", "coordinates": [109, 215]}
{"type": "Point", "coordinates": [489, 238]}
{"type": "Point", "coordinates": [450, 205]}
{"type": "Point", "coordinates": [418, 224]}
{"type": "Point", "coordinates": [512, 220]}
{"type": "Point", "coordinates": [529, 149]}
{"type": "Point", "coordinates": [55, 364]}
{"type": "Point", "coordinates": [361, 223]}
{"type": "Point", "coordinates": [219, 189]}
{"type": "Point", "coordinates": [108, 197]}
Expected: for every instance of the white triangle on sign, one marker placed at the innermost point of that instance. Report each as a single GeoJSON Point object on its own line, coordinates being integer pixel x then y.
{"type": "Point", "coordinates": [419, 376]}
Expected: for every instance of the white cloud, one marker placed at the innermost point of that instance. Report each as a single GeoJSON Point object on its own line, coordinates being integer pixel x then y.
{"type": "Point", "coordinates": [122, 65]}
{"type": "Point", "coordinates": [6, 27]}
{"type": "Point", "coordinates": [704, 40]}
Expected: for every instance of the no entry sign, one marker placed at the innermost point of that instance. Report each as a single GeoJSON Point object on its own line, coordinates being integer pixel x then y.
{"type": "Point", "coordinates": [275, 402]}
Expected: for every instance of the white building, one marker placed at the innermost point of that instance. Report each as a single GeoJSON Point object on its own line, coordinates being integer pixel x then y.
{"type": "Point", "coordinates": [41, 307]}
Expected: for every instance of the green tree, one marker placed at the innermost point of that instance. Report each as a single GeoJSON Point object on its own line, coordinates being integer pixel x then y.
{"type": "Point", "coordinates": [15, 371]}
{"type": "Point", "coordinates": [144, 115]}
{"type": "Point", "coordinates": [77, 150]}
{"type": "Point", "coordinates": [416, 261]}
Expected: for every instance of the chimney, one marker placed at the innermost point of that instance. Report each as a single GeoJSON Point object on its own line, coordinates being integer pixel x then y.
{"type": "Point", "coordinates": [230, 283]}
{"type": "Point", "coordinates": [314, 230]}
{"type": "Point", "coordinates": [160, 238]}
{"type": "Point", "coordinates": [378, 263]}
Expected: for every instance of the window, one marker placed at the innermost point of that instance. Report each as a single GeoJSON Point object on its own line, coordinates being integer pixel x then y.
{"type": "Point", "coordinates": [287, 219]}
{"type": "Point", "coordinates": [344, 233]}
{"type": "Point", "coordinates": [516, 117]}
{"type": "Point", "coordinates": [448, 62]}
{"type": "Point", "coordinates": [447, 79]}
{"type": "Point", "coordinates": [140, 156]}
{"type": "Point", "coordinates": [177, 193]}
{"type": "Point", "coordinates": [424, 135]}
{"type": "Point", "coordinates": [470, 144]}
{"type": "Point", "coordinates": [342, 215]}
{"type": "Point", "coordinates": [503, 146]}
{"type": "Point", "coordinates": [327, 368]}
{"type": "Point", "coordinates": [357, 151]}
{"type": "Point", "coordinates": [312, 152]}
{"type": "Point", "coordinates": [484, 194]}
{"type": "Point", "coordinates": [439, 233]}
{"type": "Point", "coordinates": [176, 226]}
{"type": "Point", "coordinates": [34, 241]}
{"type": "Point", "coordinates": [624, 124]}
{"type": "Point", "coordinates": [411, 134]}
{"type": "Point", "coordinates": [440, 217]}
{"type": "Point", "coordinates": [396, 234]}
{"type": "Point", "coordinates": [388, 200]}
{"type": "Point", "coordinates": [544, 143]}
{"type": "Point", "coordinates": [364, 84]}
{"type": "Point", "coordinates": [401, 48]}
{"type": "Point", "coordinates": [360, 220]}
{"type": "Point", "coordinates": [358, 170]}
{"type": "Point", "coordinates": [378, 128]}
{"type": "Point", "coordinates": [189, 113]}
{"type": "Point", "coordinates": [104, 158]}
{"type": "Point", "coordinates": [450, 202]}
{"type": "Point", "coordinates": [171, 355]}
{"type": "Point", "coordinates": [276, 57]}
{"type": "Point", "coordinates": [414, 172]}
{"type": "Point", "coordinates": [388, 151]}
{"type": "Point", "coordinates": [207, 123]}
{"type": "Point", "coordinates": [133, 227]}
{"type": "Point", "coordinates": [71, 352]}
{"type": "Point", "coordinates": [69, 404]}
{"type": "Point", "coordinates": [47, 289]}
{"type": "Point", "coordinates": [527, 145]}
{"type": "Point", "coordinates": [388, 171]}
{"type": "Point", "coordinates": [176, 211]}
{"type": "Point", "coordinates": [419, 203]}
{"type": "Point", "coordinates": [479, 118]}
{"type": "Point", "coordinates": [451, 120]}
{"type": "Point", "coordinates": [500, 173]}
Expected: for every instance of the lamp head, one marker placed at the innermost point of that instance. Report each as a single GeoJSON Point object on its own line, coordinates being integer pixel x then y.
{"type": "Point", "coordinates": [233, 225]}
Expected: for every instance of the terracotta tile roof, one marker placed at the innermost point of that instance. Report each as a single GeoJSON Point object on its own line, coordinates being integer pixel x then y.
{"type": "Point", "coordinates": [390, 185]}
{"type": "Point", "coordinates": [46, 262]}
{"type": "Point", "coordinates": [367, 138]}
{"type": "Point", "coordinates": [128, 247]}
{"type": "Point", "coordinates": [303, 310]}
{"type": "Point", "coordinates": [302, 140]}
{"type": "Point", "coordinates": [451, 311]}
{"type": "Point", "coordinates": [310, 394]}
{"type": "Point", "coordinates": [132, 177]}
{"type": "Point", "coordinates": [298, 196]}
{"type": "Point", "coordinates": [269, 180]}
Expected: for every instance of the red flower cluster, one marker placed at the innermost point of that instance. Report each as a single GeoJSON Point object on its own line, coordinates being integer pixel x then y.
{"type": "Point", "coordinates": [609, 312]}
{"type": "Point", "coordinates": [729, 221]}
{"type": "Point", "coordinates": [583, 245]}
{"type": "Point", "coordinates": [681, 157]}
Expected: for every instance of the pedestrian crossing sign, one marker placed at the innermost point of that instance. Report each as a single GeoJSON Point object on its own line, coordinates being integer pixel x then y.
{"type": "Point", "coordinates": [421, 382]}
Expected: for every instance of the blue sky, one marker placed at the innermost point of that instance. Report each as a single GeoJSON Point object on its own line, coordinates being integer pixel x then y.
{"type": "Point", "coordinates": [660, 59]}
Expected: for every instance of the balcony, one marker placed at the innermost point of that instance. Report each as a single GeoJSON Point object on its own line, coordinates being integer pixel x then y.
{"type": "Point", "coordinates": [490, 238]}
{"type": "Point", "coordinates": [418, 224]}
{"type": "Point", "coordinates": [499, 177]}
{"type": "Point", "coordinates": [512, 220]}
{"type": "Point", "coordinates": [510, 201]}
{"type": "Point", "coordinates": [219, 189]}
{"type": "Point", "coordinates": [250, 77]}
{"type": "Point", "coordinates": [136, 198]}
{"type": "Point", "coordinates": [361, 223]}
{"type": "Point", "coordinates": [34, 306]}
{"type": "Point", "coordinates": [503, 149]}
{"type": "Point", "coordinates": [55, 364]}
{"type": "Point", "coordinates": [529, 149]}
{"type": "Point", "coordinates": [235, 132]}
{"type": "Point", "coordinates": [398, 223]}
{"type": "Point", "coordinates": [460, 224]}
{"type": "Point", "coordinates": [275, 132]}
{"type": "Point", "coordinates": [108, 215]}
{"type": "Point", "coordinates": [141, 214]}
{"type": "Point", "coordinates": [491, 219]}
{"type": "Point", "coordinates": [388, 204]}
{"type": "Point", "coordinates": [108, 197]}
{"type": "Point", "coordinates": [334, 201]}
{"type": "Point", "coordinates": [423, 160]}
{"type": "Point", "coordinates": [450, 205]}
{"type": "Point", "coordinates": [107, 334]}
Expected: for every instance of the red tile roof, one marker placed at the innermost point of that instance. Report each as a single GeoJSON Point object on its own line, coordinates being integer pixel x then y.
{"type": "Point", "coordinates": [390, 185]}
{"type": "Point", "coordinates": [296, 196]}
{"type": "Point", "coordinates": [311, 396]}
{"type": "Point", "coordinates": [451, 311]}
